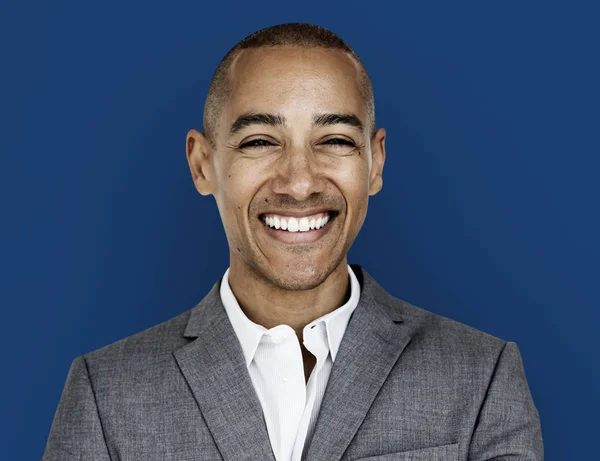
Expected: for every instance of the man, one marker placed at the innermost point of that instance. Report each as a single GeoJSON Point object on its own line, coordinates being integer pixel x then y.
{"type": "Point", "coordinates": [295, 355]}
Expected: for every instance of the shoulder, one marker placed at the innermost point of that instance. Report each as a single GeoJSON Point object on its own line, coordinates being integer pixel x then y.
{"type": "Point", "coordinates": [436, 330]}
{"type": "Point", "coordinates": [452, 353]}
{"type": "Point", "coordinates": [435, 336]}
{"type": "Point", "coordinates": [151, 346]}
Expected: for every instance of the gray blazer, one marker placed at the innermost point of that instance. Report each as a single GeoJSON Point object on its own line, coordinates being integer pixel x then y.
{"type": "Point", "coordinates": [407, 385]}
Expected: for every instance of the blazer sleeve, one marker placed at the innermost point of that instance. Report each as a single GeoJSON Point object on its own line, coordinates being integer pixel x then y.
{"type": "Point", "coordinates": [508, 426]}
{"type": "Point", "coordinates": [76, 433]}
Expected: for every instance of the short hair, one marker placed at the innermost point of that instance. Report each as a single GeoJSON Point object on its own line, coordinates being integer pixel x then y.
{"type": "Point", "coordinates": [290, 34]}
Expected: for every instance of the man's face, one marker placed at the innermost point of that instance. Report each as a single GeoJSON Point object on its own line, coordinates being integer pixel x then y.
{"type": "Point", "coordinates": [293, 164]}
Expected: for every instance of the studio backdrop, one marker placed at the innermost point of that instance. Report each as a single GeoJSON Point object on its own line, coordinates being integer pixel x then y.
{"type": "Point", "coordinates": [488, 213]}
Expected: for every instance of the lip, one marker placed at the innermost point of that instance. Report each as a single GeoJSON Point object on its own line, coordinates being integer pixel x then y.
{"type": "Point", "coordinates": [296, 238]}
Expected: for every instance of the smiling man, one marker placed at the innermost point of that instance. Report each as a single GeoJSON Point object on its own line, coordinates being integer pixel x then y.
{"type": "Point", "coordinates": [294, 354]}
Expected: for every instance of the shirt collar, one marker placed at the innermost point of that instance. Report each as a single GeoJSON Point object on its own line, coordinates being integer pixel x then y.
{"type": "Point", "coordinates": [249, 333]}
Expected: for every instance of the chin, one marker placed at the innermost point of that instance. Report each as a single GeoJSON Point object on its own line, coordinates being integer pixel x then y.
{"type": "Point", "coordinates": [297, 284]}
{"type": "Point", "coordinates": [300, 278]}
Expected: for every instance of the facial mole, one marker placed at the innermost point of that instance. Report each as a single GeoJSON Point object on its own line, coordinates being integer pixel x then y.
{"type": "Point", "coordinates": [267, 200]}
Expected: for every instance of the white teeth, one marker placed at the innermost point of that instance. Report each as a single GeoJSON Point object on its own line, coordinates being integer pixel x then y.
{"type": "Point", "coordinates": [304, 225]}
{"type": "Point", "coordinates": [292, 224]}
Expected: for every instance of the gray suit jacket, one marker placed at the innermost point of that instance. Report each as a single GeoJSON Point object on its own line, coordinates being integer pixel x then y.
{"type": "Point", "coordinates": [407, 385]}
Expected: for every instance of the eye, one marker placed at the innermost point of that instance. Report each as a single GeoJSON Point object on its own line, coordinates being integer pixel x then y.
{"type": "Point", "coordinates": [339, 142]}
{"type": "Point", "coordinates": [255, 143]}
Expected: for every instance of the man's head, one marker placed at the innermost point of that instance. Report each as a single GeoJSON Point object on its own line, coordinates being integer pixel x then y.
{"type": "Point", "coordinates": [289, 141]}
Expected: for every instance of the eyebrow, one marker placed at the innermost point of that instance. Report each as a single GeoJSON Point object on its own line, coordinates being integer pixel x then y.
{"type": "Point", "coordinates": [269, 119]}
{"type": "Point", "coordinates": [334, 119]}
{"type": "Point", "coordinates": [246, 120]}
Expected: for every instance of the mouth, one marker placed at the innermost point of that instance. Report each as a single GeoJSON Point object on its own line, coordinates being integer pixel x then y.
{"type": "Point", "coordinates": [298, 228]}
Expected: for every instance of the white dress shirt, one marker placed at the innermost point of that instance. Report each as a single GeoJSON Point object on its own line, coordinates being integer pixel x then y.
{"type": "Point", "coordinates": [274, 361]}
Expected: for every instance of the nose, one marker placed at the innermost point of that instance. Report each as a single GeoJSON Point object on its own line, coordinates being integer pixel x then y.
{"type": "Point", "coordinates": [297, 174]}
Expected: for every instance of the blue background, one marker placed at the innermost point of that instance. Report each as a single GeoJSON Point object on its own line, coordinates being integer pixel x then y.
{"type": "Point", "coordinates": [489, 212]}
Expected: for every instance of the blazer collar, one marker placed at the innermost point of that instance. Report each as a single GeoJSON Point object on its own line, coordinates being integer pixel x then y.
{"type": "Point", "coordinates": [376, 336]}
{"type": "Point", "coordinates": [214, 366]}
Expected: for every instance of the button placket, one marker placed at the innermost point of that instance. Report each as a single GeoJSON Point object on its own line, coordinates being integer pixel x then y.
{"type": "Point", "coordinates": [286, 349]}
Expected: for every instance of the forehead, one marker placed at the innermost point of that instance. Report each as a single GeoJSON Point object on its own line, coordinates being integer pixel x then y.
{"type": "Point", "coordinates": [284, 79]}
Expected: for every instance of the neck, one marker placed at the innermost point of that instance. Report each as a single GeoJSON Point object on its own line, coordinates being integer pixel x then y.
{"type": "Point", "coordinates": [269, 305]}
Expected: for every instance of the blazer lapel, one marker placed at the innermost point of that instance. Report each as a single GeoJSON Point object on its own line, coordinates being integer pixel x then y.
{"type": "Point", "coordinates": [374, 339]}
{"type": "Point", "coordinates": [214, 367]}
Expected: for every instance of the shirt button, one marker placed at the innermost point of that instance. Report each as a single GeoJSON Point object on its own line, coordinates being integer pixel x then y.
{"type": "Point", "coordinates": [276, 339]}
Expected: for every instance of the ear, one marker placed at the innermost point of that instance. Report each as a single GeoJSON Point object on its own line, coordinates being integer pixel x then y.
{"type": "Point", "coordinates": [377, 160]}
{"type": "Point", "coordinates": [198, 152]}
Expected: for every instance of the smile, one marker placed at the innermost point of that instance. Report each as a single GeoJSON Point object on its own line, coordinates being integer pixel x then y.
{"type": "Point", "coordinates": [296, 223]}
{"type": "Point", "coordinates": [298, 229]}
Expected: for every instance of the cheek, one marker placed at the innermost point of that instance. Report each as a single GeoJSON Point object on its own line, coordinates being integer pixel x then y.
{"type": "Point", "coordinates": [353, 181]}
{"type": "Point", "coordinates": [237, 187]}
